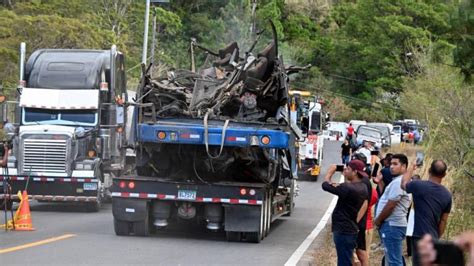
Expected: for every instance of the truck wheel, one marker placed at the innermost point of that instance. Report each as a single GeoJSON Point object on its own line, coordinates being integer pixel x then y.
{"type": "Point", "coordinates": [269, 213]}
{"type": "Point", "coordinates": [253, 237]}
{"type": "Point", "coordinates": [142, 228]}
{"type": "Point", "coordinates": [256, 237]}
{"type": "Point", "coordinates": [121, 228]}
{"type": "Point", "coordinates": [94, 206]}
{"type": "Point", "coordinates": [233, 236]}
{"type": "Point", "coordinates": [291, 200]}
{"type": "Point", "coordinates": [264, 222]}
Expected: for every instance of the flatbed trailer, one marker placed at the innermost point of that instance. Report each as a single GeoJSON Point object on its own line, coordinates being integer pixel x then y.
{"type": "Point", "coordinates": [244, 210]}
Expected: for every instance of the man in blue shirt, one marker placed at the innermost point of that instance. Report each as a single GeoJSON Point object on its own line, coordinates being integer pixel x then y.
{"type": "Point", "coordinates": [385, 176]}
{"type": "Point", "coordinates": [431, 202]}
{"type": "Point", "coordinates": [417, 135]}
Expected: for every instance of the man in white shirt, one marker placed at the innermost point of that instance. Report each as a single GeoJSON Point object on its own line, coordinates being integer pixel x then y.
{"type": "Point", "coordinates": [366, 149]}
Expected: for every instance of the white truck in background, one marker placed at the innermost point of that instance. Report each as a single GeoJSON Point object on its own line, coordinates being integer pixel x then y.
{"type": "Point", "coordinates": [67, 125]}
{"type": "Point", "coordinates": [307, 110]}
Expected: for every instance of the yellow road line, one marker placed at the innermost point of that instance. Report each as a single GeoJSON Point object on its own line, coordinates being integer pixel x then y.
{"type": "Point", "coordinates": [34, 244]}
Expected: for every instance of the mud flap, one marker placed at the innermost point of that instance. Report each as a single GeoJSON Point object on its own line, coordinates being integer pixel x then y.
{"type": "Point", "coordinates": [129, 210]}
{"type": "Point", "coordinates": [242, 218]}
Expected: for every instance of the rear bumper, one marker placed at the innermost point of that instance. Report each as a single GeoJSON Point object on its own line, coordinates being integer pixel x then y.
{"type": "Point", "coordinates": [53, 188]}
{"type": "Point", "coordinates": [156, 189]}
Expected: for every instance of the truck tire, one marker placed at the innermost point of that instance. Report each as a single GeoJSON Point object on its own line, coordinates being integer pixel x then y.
{"type": "Point", "coordinates": [291, 200]}
{"type": "Point", "coordinates": [233, 236]}
{"type": "Point", "coordinates": [142, 228]}
{"type": "Point", "coordinates": [253, 237]}
{"type": "Point", "coordinates": [256, 237]}
{"type": "Point", "coordinates": [121, 228]}
{"type": "Point", "coordinates": [264, 226]}
{"type": "Point", "coordinates": [268, 222]}
{"type": "Point", "coordinates": [96, 205]}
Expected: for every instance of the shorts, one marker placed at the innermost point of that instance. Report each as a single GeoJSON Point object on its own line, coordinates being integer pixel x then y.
{"type": "Point", "coordinates": [361, 243]}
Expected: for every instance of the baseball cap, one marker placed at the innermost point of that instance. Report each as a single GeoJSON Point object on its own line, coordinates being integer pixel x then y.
{"type": "Point", "coordinates": [358, 166]}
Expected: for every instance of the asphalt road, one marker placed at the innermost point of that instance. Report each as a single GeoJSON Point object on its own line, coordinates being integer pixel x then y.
{"type": "Point", "coordinates": [89, 238]}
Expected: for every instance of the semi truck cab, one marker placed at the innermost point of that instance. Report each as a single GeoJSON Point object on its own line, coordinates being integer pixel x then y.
{"type": "Point", "coordinates": [66, 125]}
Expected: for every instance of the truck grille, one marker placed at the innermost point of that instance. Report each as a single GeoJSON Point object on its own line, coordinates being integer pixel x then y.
{"type": "Point", "coordinates": [44, 155]}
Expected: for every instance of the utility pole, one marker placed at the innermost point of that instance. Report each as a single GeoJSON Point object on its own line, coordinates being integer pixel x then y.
{"type": "Point", "coordinates": [153, 41]}
{"type": "Point", "coordinates": [145, 32]}
{"type": "Point", "coordinates": [253, 28]}
{"type": "Point", "coordinates": [154, 3]}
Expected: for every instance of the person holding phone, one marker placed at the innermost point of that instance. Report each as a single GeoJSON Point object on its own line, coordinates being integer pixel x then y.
{"type": "Point", "coordinates": [352, 200]}
{"type": "Point", "coordinates": [431, 202]}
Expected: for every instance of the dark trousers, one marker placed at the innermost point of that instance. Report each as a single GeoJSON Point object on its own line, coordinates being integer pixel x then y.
{"type": "Point", "coordinates": [345, 245]}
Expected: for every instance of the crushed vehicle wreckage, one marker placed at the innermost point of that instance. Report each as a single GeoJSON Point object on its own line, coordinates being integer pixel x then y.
{"type": "Point", "coordinates": [235, 92]}
{"type": "Point", "coordinates": [216, 146]}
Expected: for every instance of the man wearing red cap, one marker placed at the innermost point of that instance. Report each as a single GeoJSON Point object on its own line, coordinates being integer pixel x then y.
{"type": "Point", "coordinates": [352, 199]}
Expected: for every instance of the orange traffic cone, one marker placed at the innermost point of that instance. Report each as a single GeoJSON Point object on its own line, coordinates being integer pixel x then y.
{"type": "Point", "coordinates": [23, 215]}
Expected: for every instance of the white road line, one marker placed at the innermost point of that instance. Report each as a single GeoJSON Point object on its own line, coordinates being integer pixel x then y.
{"type": "Point", "coordinates": [299, 252]}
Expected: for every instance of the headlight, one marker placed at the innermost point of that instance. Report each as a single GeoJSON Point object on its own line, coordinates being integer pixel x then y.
{"type": "Point", "coordinates": [79, 166]}
{"type": "Point", "coordinates": [84, 166]}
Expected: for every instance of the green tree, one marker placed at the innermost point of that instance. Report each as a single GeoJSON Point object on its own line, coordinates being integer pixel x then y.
{"type": "Point", "coordinates": [462, 30]}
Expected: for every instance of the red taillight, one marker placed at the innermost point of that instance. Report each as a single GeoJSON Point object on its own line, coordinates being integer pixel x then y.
{"type": "Point", "coordinates": [243, 191]}
{"type": "Point", "coordinates": [131, 185]}
{"type": "Point", "coordinates": [161, 135]}
{"type": "Point", "coordinates": [265, 140]}
{"type": "Point", "coordinates": [122, 184]}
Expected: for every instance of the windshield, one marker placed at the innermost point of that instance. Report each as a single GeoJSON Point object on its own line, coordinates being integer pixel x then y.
{"type": "Point", "coordinates": [369, 133]}
{"type": "Point", "coordinates": [397, 129]}
{"type": "Point", "coordinates": [384, 129]}
{"type": "Point", "coordinates": [59, 117]}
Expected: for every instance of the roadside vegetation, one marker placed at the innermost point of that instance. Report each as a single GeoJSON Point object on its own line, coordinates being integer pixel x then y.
{"type": "Point", "coordinates": [360, 50]}
{"type": "Point", "coordinates": [372, 60]}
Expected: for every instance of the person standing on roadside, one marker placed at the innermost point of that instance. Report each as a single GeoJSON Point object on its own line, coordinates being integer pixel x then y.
{"type": "Point", "coordinates": [362, 216]}
{"type": "Point", "coordinates": [431, 201]}
{"type": "Point", "coordinates": [369, 233]}
{"type": "Point", "coordinates": [352, 199]}
{"type": "Point", "coordinates": [346, 152]}
{"type": "Point", "coordinates": [391, 213]}
{"type": "Point", "coordinates": [384, 178]}
{"type": "Point", "coordinates": [366, 149]}
{"type": "Point", "coordinates": [350, 132]}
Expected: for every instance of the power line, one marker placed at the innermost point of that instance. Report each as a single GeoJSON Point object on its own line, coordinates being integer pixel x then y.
{"type": "Point", "coordinates": [367, 103]}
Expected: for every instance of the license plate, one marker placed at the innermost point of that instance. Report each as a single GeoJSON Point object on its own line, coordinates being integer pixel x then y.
{"type": "Point", "coordinates": [90, 186]}
{"type": "Point", "coordinates": [187, 195]}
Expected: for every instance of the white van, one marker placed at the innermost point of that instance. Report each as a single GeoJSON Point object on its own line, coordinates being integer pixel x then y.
{"type": "Point", "coordinates": [396, 134]}
{"type": "Point", "coordinates": [357, 123]}
{"type": "Point", "coordinates": [338, 127]}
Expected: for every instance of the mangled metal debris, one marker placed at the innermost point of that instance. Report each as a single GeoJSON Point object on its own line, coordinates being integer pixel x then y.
{"type": "Point", "coordinates": [248, 88]}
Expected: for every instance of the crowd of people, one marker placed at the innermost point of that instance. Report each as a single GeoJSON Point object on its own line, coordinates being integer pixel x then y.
{"type": "Point", "coordinates": [383, 195]}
